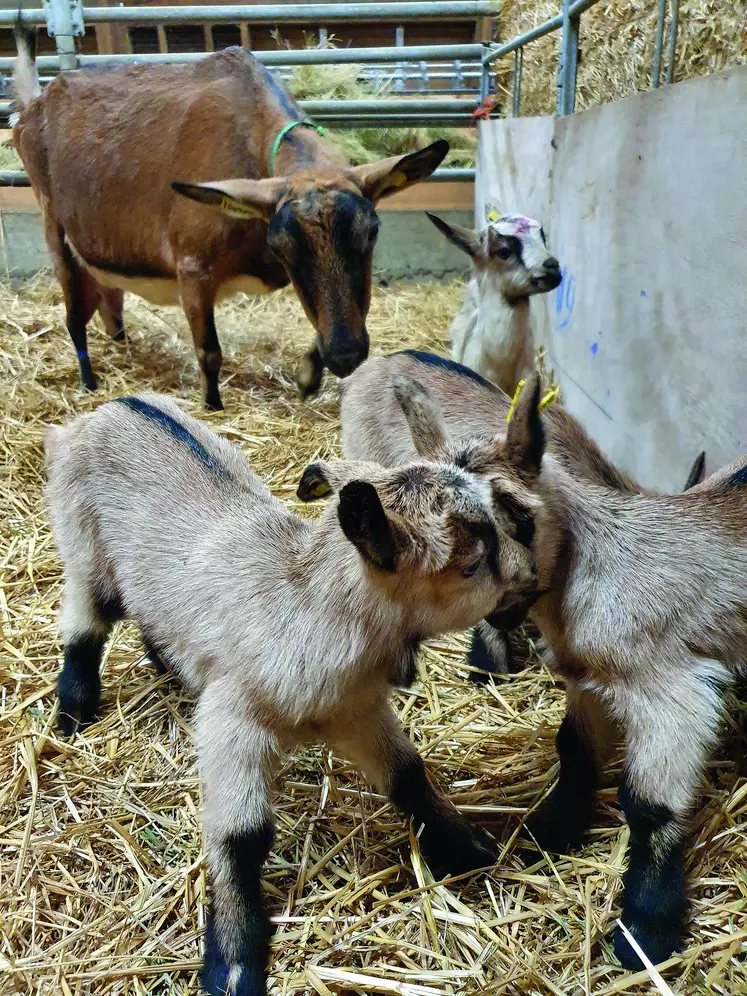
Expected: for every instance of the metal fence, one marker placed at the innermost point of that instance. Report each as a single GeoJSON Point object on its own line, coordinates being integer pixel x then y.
{"type": "Point", "coordinates": [66, 19]}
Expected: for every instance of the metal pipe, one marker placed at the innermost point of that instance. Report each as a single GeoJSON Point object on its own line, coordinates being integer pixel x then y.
{"type": "Point", "coordinates": [656, 70]}
{"type": "Point", "coordinates": [516, 82]}
{"type": "Point", "coordinates": [547, 27]}
{"type": "Point", "coordinates": [296, 13]}
{"type": "Point", "coordinates": [19, 178]}
{"type": "Point", "coordinates": [405, 105]}
{"type": "Point", "coordinates": [283, 57]}
{"type": "Point", "coordinates": [672, 40]}
{"type": "Point", "coordinates": [568, 64]}
{"type": "Point", "coordinates": [61, 25]}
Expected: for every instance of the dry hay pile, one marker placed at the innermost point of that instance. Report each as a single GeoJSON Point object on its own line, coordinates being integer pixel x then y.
{"type": "Point", "coordinates": [617, 48]}
{"type": "Point", "coordinates": [102, 882]}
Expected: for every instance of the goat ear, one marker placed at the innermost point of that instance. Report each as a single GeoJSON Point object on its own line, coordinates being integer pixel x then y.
{"type": "Point", "coordinates": [366, 525]}
{"type": "Point", "coordinates": [315, 482]}
{"type": "Point", "coordinates": [697, 472]}
{"type": "Point", "coordinates": [465, 239]}
{"type": "Point", "coordinates": [387, 176]}
{"type": "Point", "coordinates": [424, 416]}
{"type": "Point", "coordinates": [492, 211]}
{"type": "Point", "coordinates": [525, 438]}
{"type": "Point", "coordinates": [245, 199]}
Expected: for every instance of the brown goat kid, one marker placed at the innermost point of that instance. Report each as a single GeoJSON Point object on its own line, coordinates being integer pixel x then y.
{"type": "Point", "coordinates": [646, 619]}
{"type": "Point", "coordinates": [102, 149]}
{"type": "Point", "coordinates": [288, 631]}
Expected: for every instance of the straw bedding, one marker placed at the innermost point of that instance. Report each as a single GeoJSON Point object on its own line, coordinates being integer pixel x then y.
{"type": "Point", "coordinates": [102, 882]}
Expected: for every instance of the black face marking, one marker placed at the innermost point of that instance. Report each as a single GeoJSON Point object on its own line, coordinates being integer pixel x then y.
{"type": "Point", "coordinates": [175, 429]}
{"type": "Point", "coordinates": [514, 244]}
{"type": "Point", "coordinates": [244, 855]}
{"type": "Point", "coordinates": [654, 900]}
{"type": "Point", "coordinates": [519, 514]}
{"type": "Point", "coordinates": [354, 230]}
{"type": "Point", "coordinates": [542, 236]}
{"type": "Point", "coordinates": [561, 822]}
{"type": "Point", "coordinates": [288, 241]}
{"type": "Point", "coordinates": [432, 360]}
{"type": "Point", "coordinates": [79, 685]}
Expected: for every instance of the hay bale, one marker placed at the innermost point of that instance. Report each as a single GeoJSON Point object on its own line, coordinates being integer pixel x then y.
{"type": "Point", "coordinates": [102, 882]}
{"type": "Point", "coordinates": [617, 48]}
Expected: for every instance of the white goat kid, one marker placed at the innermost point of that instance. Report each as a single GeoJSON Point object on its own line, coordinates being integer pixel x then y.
{"type": "Point", "coordinates": [492, 332]}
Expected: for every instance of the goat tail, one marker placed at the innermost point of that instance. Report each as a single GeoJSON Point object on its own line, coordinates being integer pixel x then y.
{"type": "Point", "coordinates": [26, 86]}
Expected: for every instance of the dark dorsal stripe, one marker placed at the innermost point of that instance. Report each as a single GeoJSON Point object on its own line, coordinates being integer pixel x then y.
{"type": "Point", "coordinates": [451, 365]}
{"type": "Point", "coordinates": [739, 478]}
{"type": "Point", "coordinates": [176, 430]}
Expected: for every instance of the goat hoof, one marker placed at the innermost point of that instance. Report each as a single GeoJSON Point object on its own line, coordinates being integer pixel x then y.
{"type": "Point", "coordinates": [657, 937]}
{"type": "Point", "coordinates": [456, 850]}
{"type": "Point", "coordinates": [560, 824]}
{"type": "Point", "coordinates": [213, 403]}
{"type": "Point", "coordinates": [120, 336]}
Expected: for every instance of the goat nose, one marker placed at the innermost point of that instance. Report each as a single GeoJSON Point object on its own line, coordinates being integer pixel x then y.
{"type": "Point", "coordinates": [552, 265]}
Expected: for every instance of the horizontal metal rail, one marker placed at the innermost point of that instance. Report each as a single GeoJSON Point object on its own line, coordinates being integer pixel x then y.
{"type": "Point", "coordinates": [18, 178]}
{"type": "Point", "coordinates": [539, 31]}
{"type": "Point", "coordinates": [282, 57]}
{"type": "Point", "coordinates": [297, 13]}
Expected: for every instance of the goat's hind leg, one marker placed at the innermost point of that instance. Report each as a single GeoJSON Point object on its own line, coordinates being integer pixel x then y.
{"type": "Point", "coordinates": [85, 622]}
{"type": "Point", "coordinates": [384, 752]}
{"type": "Point", "coordinates": [671, 726]}
{"type": "Point", "coordinates": [111, 305]}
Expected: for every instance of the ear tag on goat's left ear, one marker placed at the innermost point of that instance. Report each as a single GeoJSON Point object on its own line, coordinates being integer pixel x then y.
{"type": "Point", "coordinates": [239, 210]}
{"type": "Point", "coordinates": [550, 398]}
{"type": "Point", "coordinates": [398, 180]}
{"type": "Point", "coordinates": [493, 216]}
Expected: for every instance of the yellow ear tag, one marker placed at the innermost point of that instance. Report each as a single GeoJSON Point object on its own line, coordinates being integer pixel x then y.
{"type": "Point", "coordinates": [237, 209]}
{"type": "Point", "coordinates": [550, 398]}
{"type": "Point", "coordinates": [398, 180]}
{"type": "Point", "coordinates": [493, 216]}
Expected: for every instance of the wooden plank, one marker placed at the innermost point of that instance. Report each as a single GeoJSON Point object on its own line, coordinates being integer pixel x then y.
{"type": "Point", "coordinates": [451, 196]}
{"type": "Point", "coordinates": [18, 199]}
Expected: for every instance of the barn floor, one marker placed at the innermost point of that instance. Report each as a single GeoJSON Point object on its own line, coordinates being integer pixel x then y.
{"type": "Point", "coordinates": [102, 883]}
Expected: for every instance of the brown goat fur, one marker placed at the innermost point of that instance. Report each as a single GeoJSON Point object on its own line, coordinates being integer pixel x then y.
{"type": "Point", "coordinates": [646, 620]}
{"type": "Point", "coordinates": [102, 149]}
{"type": "Point", "coordinates": [287, 631]}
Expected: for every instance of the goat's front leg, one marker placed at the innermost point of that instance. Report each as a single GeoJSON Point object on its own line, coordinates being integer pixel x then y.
{"type": "Point", "coordinates": [310, 373]}
{"type": "Point", "coordinates": [490, 653]}
{"type": "Point", "coordinates": [236, 760]}
{"type": "Point", "coordinates": [587, 731]}
{"type": "Point", "coordinates": [198, 300]}
{"type": "Point", "coordinates": [671, 725]}
{"type": "Point", "coordinates": [381, 748]}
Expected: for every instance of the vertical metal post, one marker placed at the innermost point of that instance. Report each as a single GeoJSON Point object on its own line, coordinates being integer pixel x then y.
{"type": "Point", "coordinates": [400, 82]}
{"type": "Point", "coordinates": [484, 76]}
{"type": "Point", "coordinates": [568, 61]}
{"type": "Point", "coordinates": [656, 71]}
{"type": "Point", "coordinates": [64, 23]}
{"type": "Point", "coordinates": [673, 39]}
{"type": "Point", "coordinates": [323, 37]}
{"type": "Point", "coordinates": [458, 82]}
{"type": "Point", "coordinates": [516, 82]}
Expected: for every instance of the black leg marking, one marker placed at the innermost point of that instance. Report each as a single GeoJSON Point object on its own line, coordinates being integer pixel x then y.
{"type": "Point", "coordinates": [654, 899]}
{"type": "Point", "coordinates": [448, 841]}
{"type": "Point", "coordinates": [79, 684]}
{"type": "Point", "coordinates": [496, 660]}
{"type": "Point", "coordinates": [236, 952]}
{"type": "Point", "coordinates": [155, 658]}
{"type": "Point", "coordinates": [563, 819]}
{"type": "Point", "coordinates": [310, 374]}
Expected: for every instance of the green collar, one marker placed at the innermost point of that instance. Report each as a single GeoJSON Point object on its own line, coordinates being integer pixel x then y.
{"type": "Point", "coordinates": [283, 132]}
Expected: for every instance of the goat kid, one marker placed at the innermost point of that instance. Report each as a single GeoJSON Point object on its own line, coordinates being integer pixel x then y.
{"type": "Point", "coordinates": [102, 148]}
{"type": "Point", "coordinates": [306, 628]}
{"type": "Point", "coordinates": [646, 620]}
{"type": "Point", "coordinates": [492, 332]}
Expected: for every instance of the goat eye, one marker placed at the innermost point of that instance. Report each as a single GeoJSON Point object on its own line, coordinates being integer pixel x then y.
{"type": "Point", "coordinates": [504, 252]}
{"type": "Point", "coordinates": [471, 569]}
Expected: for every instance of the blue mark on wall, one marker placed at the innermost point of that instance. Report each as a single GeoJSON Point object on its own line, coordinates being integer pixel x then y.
{"type": "Point", "coordinates": [593, 348]}
{"type": "Point", "coordinates": [643, 293]}
{"type": "Point", "coordinates": [565, 298]}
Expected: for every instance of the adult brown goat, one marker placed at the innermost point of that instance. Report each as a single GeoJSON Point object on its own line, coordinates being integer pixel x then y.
{"type": "Point", "coordinates": [102, 150]}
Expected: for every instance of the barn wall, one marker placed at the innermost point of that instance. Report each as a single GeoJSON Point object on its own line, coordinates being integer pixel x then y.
{"type": "Point", "coordinates": [645, 204]}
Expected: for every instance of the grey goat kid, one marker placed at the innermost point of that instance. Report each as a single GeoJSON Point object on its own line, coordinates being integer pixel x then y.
{"type": "Point", "coordinates": [288, 631]}
{"type": "Point", "coordinates": [646, 620]}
